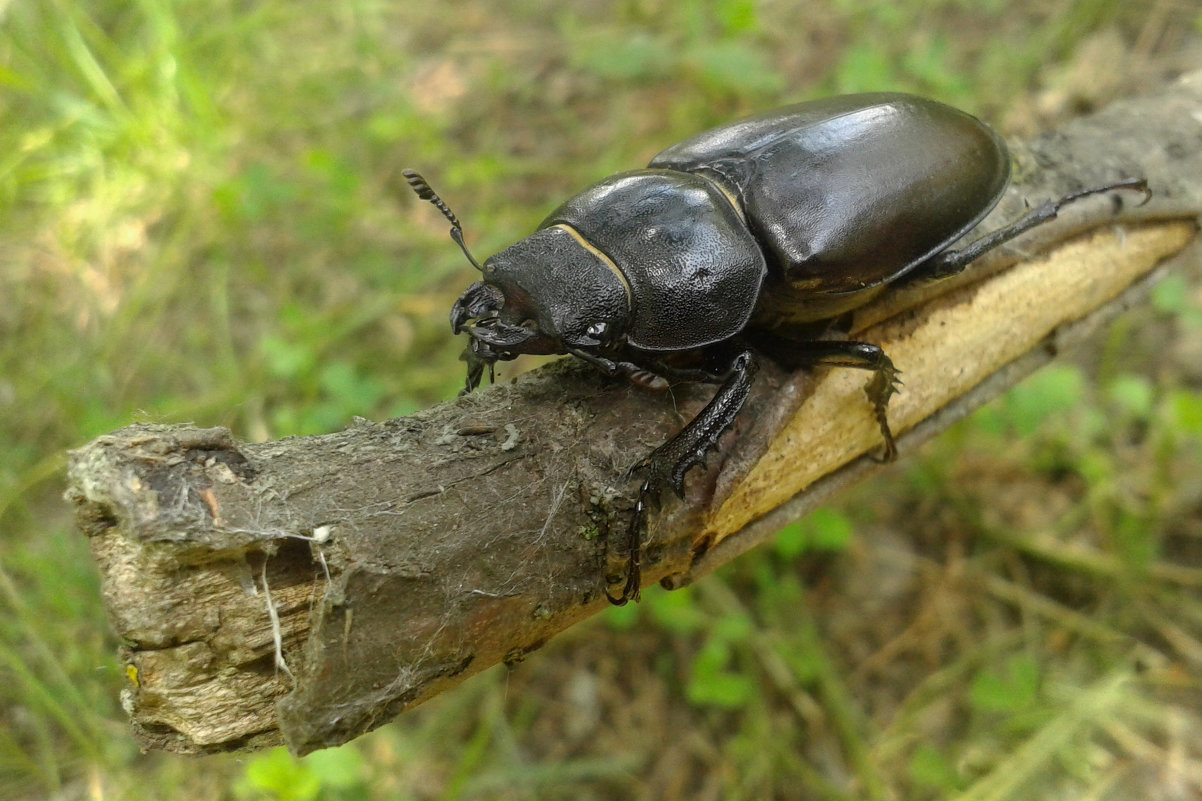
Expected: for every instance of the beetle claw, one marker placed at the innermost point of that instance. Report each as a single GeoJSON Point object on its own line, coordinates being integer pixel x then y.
{"type": "Point", "coordinates": [634, 536]}
{"type": "Point", "coordinates": [888, 452]}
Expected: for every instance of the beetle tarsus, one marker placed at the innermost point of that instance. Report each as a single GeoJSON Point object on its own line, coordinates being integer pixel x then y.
{"type": "Point", "coordinates": [1132, 184]}
{"type": "Point", "coordinates": [634, 536]}
{"type": "Point", "coordinates": [883, 385]}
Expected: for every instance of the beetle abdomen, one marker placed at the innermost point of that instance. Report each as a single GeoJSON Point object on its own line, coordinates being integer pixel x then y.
{"type": "Point", "coordinates": [693, 267]}
{"type": "Point", "coordinates": [848, 193]}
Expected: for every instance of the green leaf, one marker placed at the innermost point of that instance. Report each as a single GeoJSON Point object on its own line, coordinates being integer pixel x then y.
{"type": "Point", "coordinates": [338, 768]}
{"type": "Point", "coordinates": [865, 67]}
{"type": "Point", "coordinates": [736, 16]}
{"type": "Point", "coordinates": [1050, 391]}
{"type": "Point", "coordinates": [822, 530]}
{"type": "Point", "coordinates": [830, 530]}
{"type": "Point", "coordinates": [930, 768]}
{"type": "Point", "coordinates": [677, 611]}
{"type": "Point", "coordinates": [721, 689]}
{"type": "Point", "coordinates": [1171, 295]}
{"type": "Point", "coordinates": [279, 775]}
{"type": "Point", "coordinates": [1133, 536]}
{"type": "Point", "coordinates": [711, 684]}
{"type": "Point", "coordinates": [1187, 412]}
{"type": "Point", "coordinates": [1133, 394]}
{"type": "Point", "coordinates": [1012, 688]}
{"type": "Point", "coordinates": [737, 67]}
{"type": "Point", "coordinates": [791, 540]}
{"type": "Point", "coordinates": [624, 618]}
{"type": "Point", "coordinates": [285, 358]}
{"type": "Point", "coordinates": [629, 57]}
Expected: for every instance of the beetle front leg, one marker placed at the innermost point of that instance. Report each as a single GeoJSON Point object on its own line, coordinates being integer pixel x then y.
{"type": "Point", "coordinates": [667, 465]}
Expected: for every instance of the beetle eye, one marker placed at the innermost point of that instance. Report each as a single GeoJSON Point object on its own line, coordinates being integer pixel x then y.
{"type": "Point", "coordinates": [598, 330]}
{"type": "Point", "coordinates": [529, 323]}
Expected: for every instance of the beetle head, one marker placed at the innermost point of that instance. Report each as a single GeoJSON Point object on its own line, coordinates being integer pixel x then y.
{"type": "Point", "coordinates": [544, 294]}
{"type": "Point", "coordinates": [551, 292]}
{"type": "Point", "coordinates": [547, 293]}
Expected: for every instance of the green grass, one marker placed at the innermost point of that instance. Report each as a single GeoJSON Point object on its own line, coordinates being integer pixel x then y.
{"type": "Point", "coordinates": [202, 218]}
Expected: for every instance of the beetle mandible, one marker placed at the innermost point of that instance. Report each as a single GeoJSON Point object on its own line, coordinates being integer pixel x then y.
{"type": "Point", "coordinates": [743, 240]}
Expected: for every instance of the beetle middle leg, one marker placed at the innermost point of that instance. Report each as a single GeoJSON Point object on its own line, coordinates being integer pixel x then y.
{"type": "Point", "coordinates": [881, 387]}
{"type": "Point", "coordinates": [862, 356]}
{"type": "Point", "coordinates": [667, 465]}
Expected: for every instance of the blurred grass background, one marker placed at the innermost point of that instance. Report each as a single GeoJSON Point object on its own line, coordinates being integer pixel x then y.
{"type": "Point", "coordinates": [202, 218]}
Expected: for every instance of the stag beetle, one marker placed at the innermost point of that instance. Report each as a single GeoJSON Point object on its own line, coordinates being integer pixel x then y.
{"type": "Point", "coordinates": [742, 240]}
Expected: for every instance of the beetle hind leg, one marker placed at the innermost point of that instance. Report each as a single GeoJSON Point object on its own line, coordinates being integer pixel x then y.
{"type": "Point", "coordinates": [951, 262]}
{"type": "Point", "coordinates": [667, 465]}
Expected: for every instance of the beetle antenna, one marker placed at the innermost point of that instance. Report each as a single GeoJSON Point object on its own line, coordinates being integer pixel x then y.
{"type": "Point", "coordinates": [419, 185]}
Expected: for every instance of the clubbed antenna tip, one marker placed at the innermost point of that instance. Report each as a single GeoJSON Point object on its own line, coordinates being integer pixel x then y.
{"type": "Point", "coordinates": [423, 190]}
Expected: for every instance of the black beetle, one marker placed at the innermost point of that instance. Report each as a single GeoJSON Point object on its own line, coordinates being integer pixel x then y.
{"type": "Point", "coordinates": [747, 238]}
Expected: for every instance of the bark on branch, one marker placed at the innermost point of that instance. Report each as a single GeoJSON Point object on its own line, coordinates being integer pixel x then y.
{"type": "Point", "coordinates": [307, 590]}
